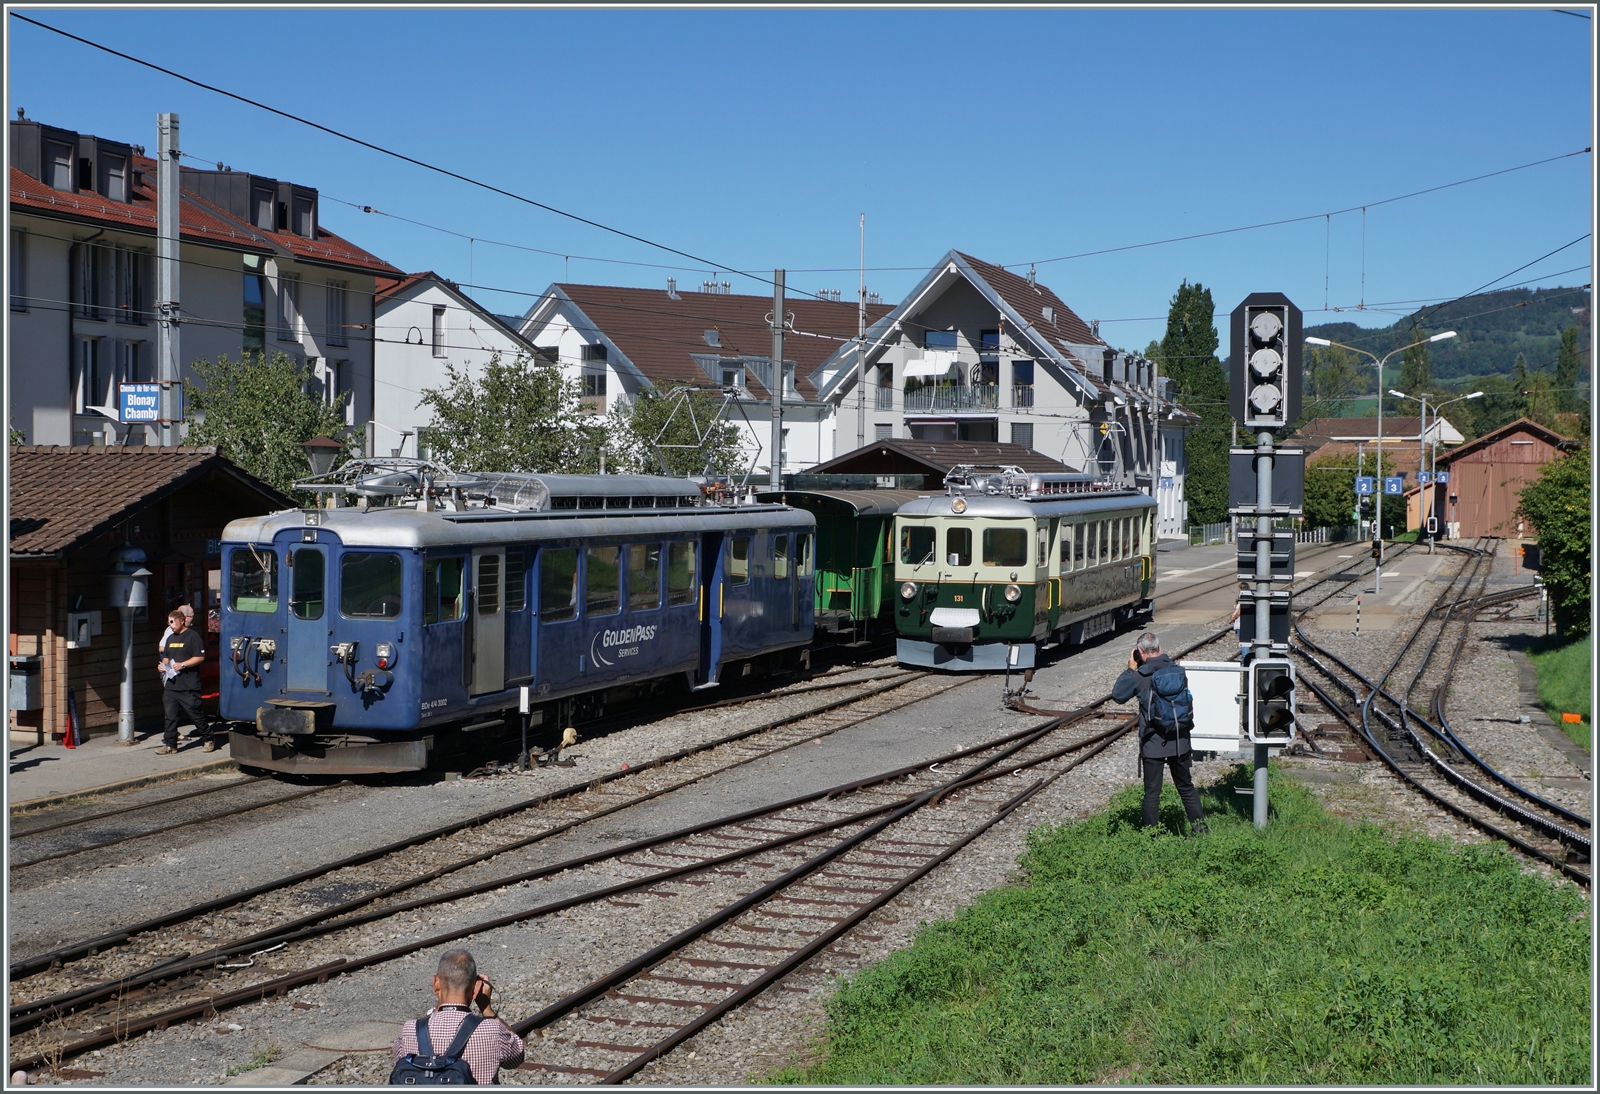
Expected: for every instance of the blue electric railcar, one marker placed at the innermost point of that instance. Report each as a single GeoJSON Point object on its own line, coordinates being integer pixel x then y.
{"type": "Point", "coordinates": [363, 640]}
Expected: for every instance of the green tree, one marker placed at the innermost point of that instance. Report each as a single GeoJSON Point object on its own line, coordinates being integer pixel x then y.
{"type": "Point", "coordinates": [1333, 377]}
{"type": "Point", "coordinates": [1416, 372]}
{"type": "Point", "coordinates": [675, 434]}
{"type": "Point", "coordinates": [1330, 492]}
{"type": "Point", "coordinates": [1557, 505]}
{"type": "Point", "coordinates": [1568, 364]}
{"type": "Point", "coordinates": [258, 412]}
{"type": "Point", "coordinates": [519, 416]}
{"type": "Point", "coordinates": [1188, 354]}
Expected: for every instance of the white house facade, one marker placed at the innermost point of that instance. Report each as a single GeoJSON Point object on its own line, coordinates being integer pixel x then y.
{"type": "Point", "coordinates": [978, 353]}
{"type": "Point", "coordinates": [258, 273]}
{"type": "Point", "coordinates": [425, 323]}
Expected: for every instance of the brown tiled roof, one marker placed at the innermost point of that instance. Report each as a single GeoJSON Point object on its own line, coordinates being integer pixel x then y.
{"type": "Point", "coordinates": [658, 334]}
{"type": "Point", "coordinates": [63, 496]}
{"type": "Point", "coordinates": [393, 286]}
{"type": "Point", "coordinates": [1029, 301]}
{"type": "Point", "coordinates": [939, 457]}
{"type": "Point", "coordinates": [1402, 456]}
{"type": "Point", "coordinates": [1521, 425]}
{"type": "Point", "coordinates": [200, 220]}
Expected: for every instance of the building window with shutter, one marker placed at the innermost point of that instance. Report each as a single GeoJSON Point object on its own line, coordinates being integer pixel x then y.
{"type": "Point", "coordinates": [91, 274]}
{"type": "Point", "coordinates": [884, 431]}
{"type": "Point", "coordinates": [92, 377]}
{"type": "Point", "coordinates": [134, 364]}
{"type": "Point", "coordinates": [1022, 433]}
{"type": "Point", "coordinates": [336, 313]}
{"type": "Point", "coordinates": [344, 386]}
{"type": "Point", "coordinates": [438, 332]}
{"type": "Point", "coordinates": [255, 306]}
{"type": "Point", "coordinates": [130, 285]}
{"type": "Point", "coordinates": [19, 270]}
{"type": "Point", "coordinates": [288, 307]}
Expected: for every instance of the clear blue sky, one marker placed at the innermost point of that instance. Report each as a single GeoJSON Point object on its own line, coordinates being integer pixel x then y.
{"type": "Point", "coordinates": [756, 139]}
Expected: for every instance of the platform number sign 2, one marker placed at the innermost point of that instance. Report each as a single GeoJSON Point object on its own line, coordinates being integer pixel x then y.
{"type": "Point", "coordinates": [1265, 363]}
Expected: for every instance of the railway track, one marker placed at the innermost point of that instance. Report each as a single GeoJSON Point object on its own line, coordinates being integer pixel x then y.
{"type": "Point", "coordinates": [120, 962]}
{"type": "Point", "coordinates": [1426, 754]}
{"type": "Point", "coordinates": [1230, 579]}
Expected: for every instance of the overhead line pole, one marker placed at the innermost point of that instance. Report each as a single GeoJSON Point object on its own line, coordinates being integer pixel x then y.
{"type": "Point", "coordinates": [167, 256]}
{"type": "Point", "coordinates": [861, 342]}
{"type": "Point", "coordinates": [776, 387]}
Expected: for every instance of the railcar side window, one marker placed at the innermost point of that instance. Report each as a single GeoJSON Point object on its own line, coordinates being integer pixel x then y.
{"type": "Point", "coordinates": [780, 558]}
{"type": "Point", "coordinates": [253, 580]}
{"type": "Point", "coordinates": [603, 581]}
{"type": "Point", "coordinates": [1127, 537]}
{"type": "Point", "coordinates": [1091, 541]}
{"type": "Point", "coordinates": [739, 561]}
{"type": "Point", "coordinates": [644, 576]}
{"type": "Point", "coordinates": [1044, 545]}
{"type": "Point", "coordinates": [441, 590]}
{"type": "Point", "coordinates": [369, 584]}
{"type": "Point", "coordinates": [1116, 540]}
{"type": "Point", "coordinates": [802, 554]}
{"type": "Point", "coordinates": [958, 546]}
{"type": "Point", "coordinates": [1105, 541]}
{"type": "Point", "coordinates": [916, 544]}
{"type": "Point", "coordinates": [558, 584]}
{"type": "Point", "coordinates": [680, 573]}
{"type": "Point", "coordinates": [516, 581]}
{"type": "Point", "coordinates": [306, 593]}
{"type": "Point", "coordinates": [1005, 546]}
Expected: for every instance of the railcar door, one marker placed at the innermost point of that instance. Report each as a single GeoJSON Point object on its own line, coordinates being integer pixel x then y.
{"type": "Point", "coordinates": [308, 631]}
{"type": "Point", "coordinates": [486, 647]}
{"type": "Point", "coordinates": [711, 577]}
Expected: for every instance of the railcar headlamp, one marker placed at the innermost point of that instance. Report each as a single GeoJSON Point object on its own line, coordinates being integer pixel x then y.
{"type": "Point", "coordinates": [908, 590]}
{"type": "Point", "coordinates": [1013, 593]}
{"type": "Point", "coordinates": [958, 505]}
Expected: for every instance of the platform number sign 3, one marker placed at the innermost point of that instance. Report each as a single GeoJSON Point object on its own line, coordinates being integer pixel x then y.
{"type": "Point", "coordinates": [1265, 362]}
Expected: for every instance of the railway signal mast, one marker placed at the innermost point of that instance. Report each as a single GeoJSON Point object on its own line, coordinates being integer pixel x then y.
{"type": "Point", "coordinates": [1264, 376]}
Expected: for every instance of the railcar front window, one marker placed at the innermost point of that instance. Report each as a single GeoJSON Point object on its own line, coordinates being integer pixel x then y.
{"type": "Point", "coordinates": [802, 554]}
{"type": "Point", "coordinates": [558, 584]}
{"type": "Point", "coordinates": [1005, 546]}
{"type": "Point", "coordinates": [441, 590]}
{"type": "Point", "coordinates": [603, 585]}
{"type": "Point", "coordinates": [958, 546]}
{"type": "Point", "coordinates": [306, 595]}
{"type": "Point", "coordinates": [369, 585]}
{"type": "Point", "coordinates": [644, 576]}
{"type": "Point", "coordinates": [253, 580]}
{"type": "Point", "coordinates": [739, 561]}
{"type": "Point", "coordinates": [681, 573]}
{"type": "Point", "coordinates": [780, 558]}
{"type": "Point", "coordinates": [916, 544]}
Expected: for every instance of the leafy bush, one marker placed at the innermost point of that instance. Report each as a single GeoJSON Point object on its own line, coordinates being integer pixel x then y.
{"type": "Point", "coordinates": [1557, 503]}
{"type": "Point", "coordinates": [1564, 685]}
{"type": "Point", "coordinates": [1314, 951]}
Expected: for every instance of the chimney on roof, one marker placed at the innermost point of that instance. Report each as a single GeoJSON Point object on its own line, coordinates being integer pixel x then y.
{"type": "Point", "coordinates": [672, 289]}
{"type": "Point", "coordinates": [1094, 327]}
{"type": "Point", "coordinates": [1033, 281]}
{"type": "Point", "coordinates": [21, 117]}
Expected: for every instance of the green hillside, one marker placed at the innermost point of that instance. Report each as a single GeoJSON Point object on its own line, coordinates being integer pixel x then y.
{"type": "Point", "coordinates": [1493, 328]}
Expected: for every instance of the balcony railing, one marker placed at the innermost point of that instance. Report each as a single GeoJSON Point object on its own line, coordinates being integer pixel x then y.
{"type": "Point", "coordinates": [947, 398]}
{"type": "Point", "coordinates": [884, 398]}
{"type": "Point", "coordinates": [1022, 396]}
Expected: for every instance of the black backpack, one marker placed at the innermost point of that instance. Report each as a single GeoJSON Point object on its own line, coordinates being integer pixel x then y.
{"type": "Point", "coordinates": [423, 1068]}
{"type": "Point", "coordinates": [1171, 703]}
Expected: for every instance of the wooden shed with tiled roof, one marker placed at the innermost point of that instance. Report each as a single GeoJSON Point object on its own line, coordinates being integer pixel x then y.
{"type": "Point", "coordinates": [70, 508]}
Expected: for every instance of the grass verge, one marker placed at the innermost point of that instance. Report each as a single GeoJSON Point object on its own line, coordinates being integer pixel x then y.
{"type": "Point", "coordinates": [1315, 951]}
{"type": "Point", "coordinates": [1563, 672]}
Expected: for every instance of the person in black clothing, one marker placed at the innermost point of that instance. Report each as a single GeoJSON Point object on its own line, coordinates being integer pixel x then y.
{"type": "Point", "coordinates": [181, 655]}
{"type": "Point", "coordinates": [1156, 751]}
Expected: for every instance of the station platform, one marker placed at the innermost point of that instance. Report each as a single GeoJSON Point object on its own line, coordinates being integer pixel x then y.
{"type": "Point", "coordinates": [39, 775]}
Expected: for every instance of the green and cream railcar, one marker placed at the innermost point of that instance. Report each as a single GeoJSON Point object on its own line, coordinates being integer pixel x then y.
{"type": "Point", "coordinates": [1005, 563]}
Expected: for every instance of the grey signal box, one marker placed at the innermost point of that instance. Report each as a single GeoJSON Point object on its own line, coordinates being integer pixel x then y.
{"type": "Point", "coordinates": [1265, 364]}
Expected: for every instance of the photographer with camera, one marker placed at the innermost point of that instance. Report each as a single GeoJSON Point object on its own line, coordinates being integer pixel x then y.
{"type": "Point", "coordinates": [1166, 718]}
{"type": "Point", "coordinates": [451, 1045]}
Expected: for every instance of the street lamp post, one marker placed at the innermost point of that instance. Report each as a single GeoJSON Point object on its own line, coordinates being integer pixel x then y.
{"type": "Point", "coordinates": [1377, 531]}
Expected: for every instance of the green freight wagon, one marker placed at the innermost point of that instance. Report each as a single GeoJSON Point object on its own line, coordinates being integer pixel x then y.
{"type": "Point", "coordinates": [855, 558]}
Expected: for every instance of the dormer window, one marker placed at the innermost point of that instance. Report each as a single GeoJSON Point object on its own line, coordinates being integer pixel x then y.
{"type": "Point", "coordinates": [114, 177]}
{"type": "Point", "coordinates": [58, 165]}
{"type": "Point", "coordinates": [304, 217]}
{"type": "Point", "coordinates": [262, 209]}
